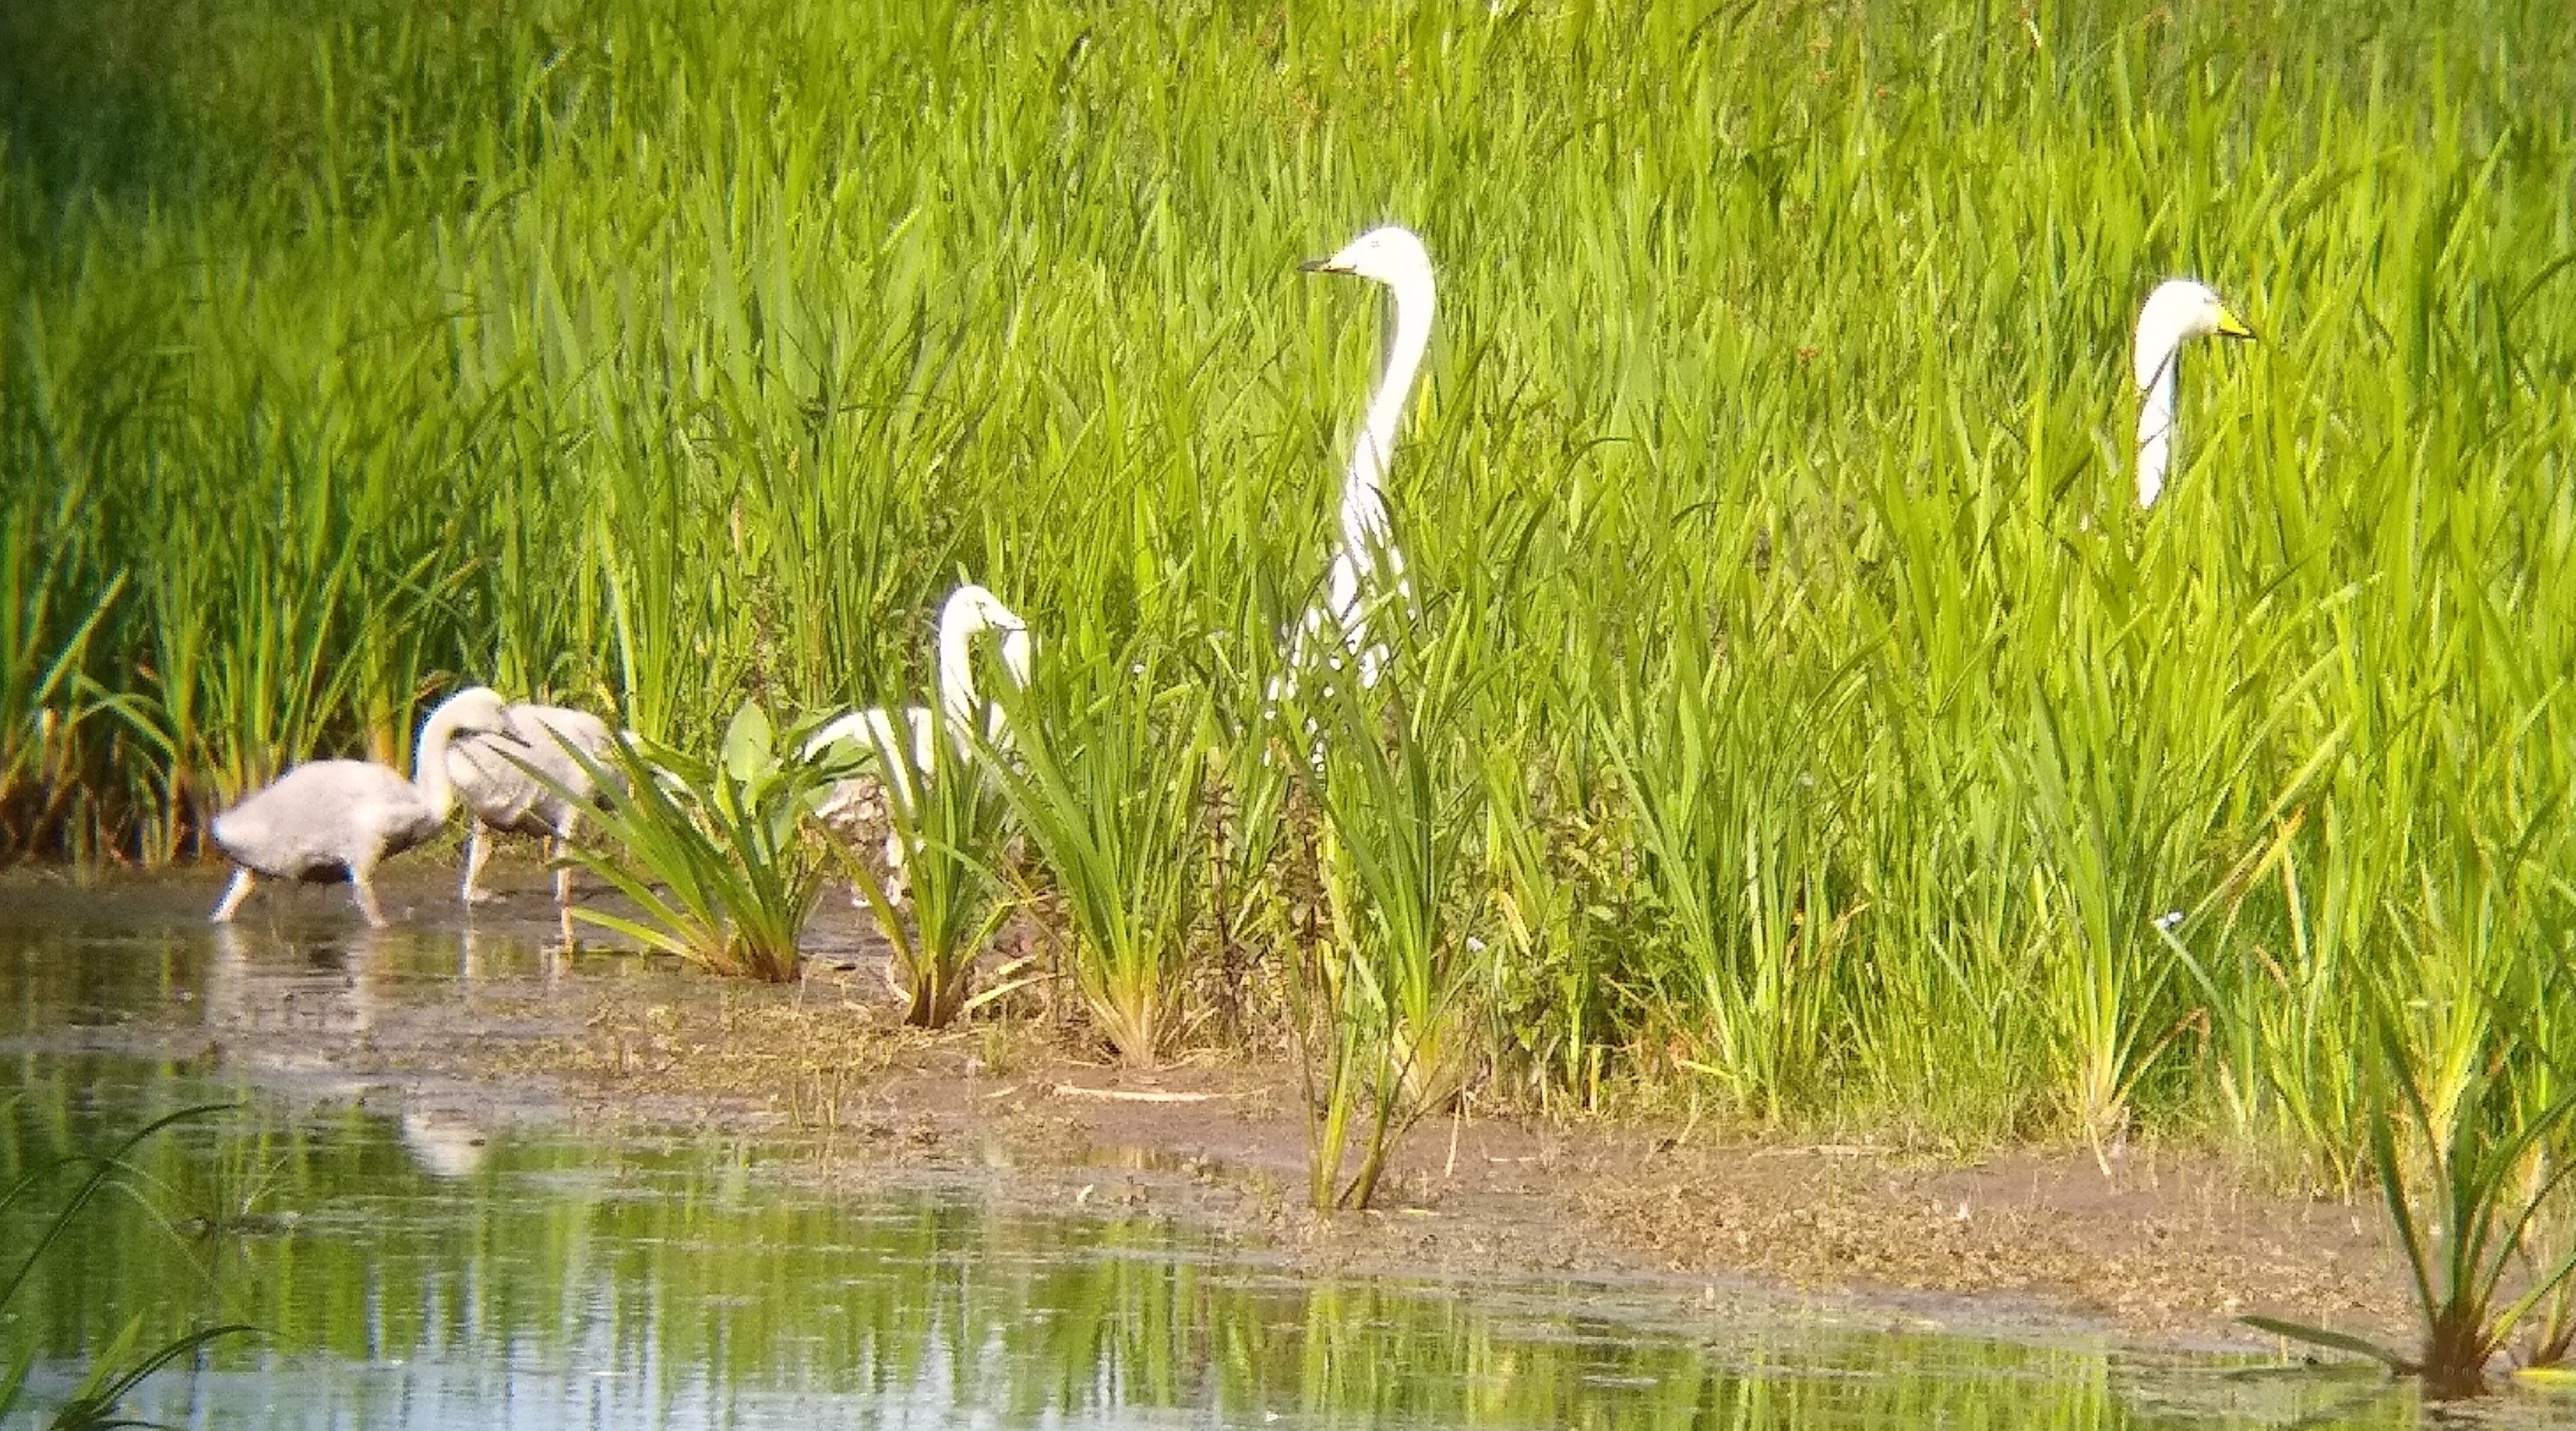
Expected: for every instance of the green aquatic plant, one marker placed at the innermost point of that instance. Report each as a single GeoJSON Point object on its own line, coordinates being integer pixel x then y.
{"type": "Point", "coordinates": [45, 693]}
{"type": "Point", "coordinates": [1799, 342]}
{"type": "Point", "coordinates": [1108, 778]}
{"type": "Point", "coordinates": [1380, 998]}
{"type": "Point", "coordinates": [2468, 1191]}
{"type": "Point", "coordinates": [114, 1373]}
{"type": "Point", "coordinates": [1721, 761]}
{"type": "Point", "coordinates": [98, 1403]}
{"type": "Point", "coordinates": [1555, 863]}
{"type": "Point", "coordinates": [951, 821]}
{"type": "Point", "coordinates": [716, 856]}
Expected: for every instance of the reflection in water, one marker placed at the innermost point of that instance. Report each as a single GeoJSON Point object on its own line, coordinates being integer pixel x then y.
{"type": "Point", "coordinates": [567, 1285]}
{"type": "Point", "coordinates": [444, 1144]}
{"type": "Point", "coordinates": [414, 1271]}
{"type": "Point", "coordinates": [482, 954]}
{"type": "Point", "coordinates": [295, 997]}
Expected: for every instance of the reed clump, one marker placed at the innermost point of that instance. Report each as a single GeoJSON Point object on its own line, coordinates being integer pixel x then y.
{"type": "Point", "coordinates": [2472, 1175]}
{"type": "Point", "coordinates": [719, 858]}
{"type": "Point", "coordinates": [941, 916]}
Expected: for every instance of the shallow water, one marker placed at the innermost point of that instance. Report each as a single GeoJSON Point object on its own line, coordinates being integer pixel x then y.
{"type": "Point", "coordinates": [412, 1268]}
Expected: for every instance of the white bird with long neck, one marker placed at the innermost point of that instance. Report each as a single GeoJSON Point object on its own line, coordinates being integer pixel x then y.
{"type": "Point", "coordinates": [905, 744]}
{"type": "Point", "coordinates": [969, 612]}
{"type": "Point", "coordinates": [2178, 310]}
{"type": "Point", "coordinates": [1392, 256]}
{"type": "Point", "coordinates": [332, 818]}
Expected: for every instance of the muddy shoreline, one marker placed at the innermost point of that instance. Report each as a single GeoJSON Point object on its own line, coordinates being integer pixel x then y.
{"type": "Point", "coordinates": [2162, 1253]}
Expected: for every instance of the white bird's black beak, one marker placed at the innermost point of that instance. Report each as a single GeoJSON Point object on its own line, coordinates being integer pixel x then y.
{"type": "Point", "coordinates": [1317, 265]}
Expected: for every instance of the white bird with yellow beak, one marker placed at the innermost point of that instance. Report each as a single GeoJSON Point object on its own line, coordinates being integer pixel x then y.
{"type": "Point", "coordinates": [2179, 309]}
{"type": "Point", "coordinates": [1393, 257]}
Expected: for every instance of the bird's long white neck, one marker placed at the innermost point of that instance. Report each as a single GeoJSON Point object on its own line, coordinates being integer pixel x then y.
{"type": "Point", "coordinates": [429, 766]}
{"type": "Point", "coordinates": [959, 624]}
{"type": "Point", "coordinates": [2156, 431]}
{"type": "Point", "coordinates": [1363, 495]}
{"type": "Point", "coordinates": [957, 632]}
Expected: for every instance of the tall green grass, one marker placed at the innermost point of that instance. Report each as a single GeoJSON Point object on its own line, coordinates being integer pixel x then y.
{"type": "Point", "coordinates": [1846, 731]}
{"type": "Point", "coordinates": [1109, 780]}
{"type": "Point", "coordinates": [1382, 997]}
{"type": "Point", "coordinates": [950, 818]}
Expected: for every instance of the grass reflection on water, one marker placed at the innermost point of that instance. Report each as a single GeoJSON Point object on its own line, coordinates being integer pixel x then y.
{"type": "Point", "coordinates": [412, 1276]}
{"type": "Point", "coordinates": [418, 1271]}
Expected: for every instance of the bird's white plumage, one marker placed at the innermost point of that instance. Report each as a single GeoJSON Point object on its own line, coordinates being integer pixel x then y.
{"type": "Point", "coordinates": [326, 818]}
{"type": "Point", "coordinates": [1394, 257]}
{"type": "Point", "coordinates": [496, 773]}
{"type": "Point", "coordinates": [903, 745]}
{"type": "Point", "coordinates": [518, 773]}
{"type": "Point", "coordinates": [907, 738]}
{"type": "Point", "coordinates": [2179, 310]}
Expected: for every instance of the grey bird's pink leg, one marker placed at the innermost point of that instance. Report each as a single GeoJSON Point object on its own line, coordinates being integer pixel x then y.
{"type": "Point", "coordinates": [364, 892]}
{"type": "Point", "coordinates": [478, 848]}
{"type": "Point", "coordinates": [234, 894]}
{"type": "Point", "coordinates": [563, 869]}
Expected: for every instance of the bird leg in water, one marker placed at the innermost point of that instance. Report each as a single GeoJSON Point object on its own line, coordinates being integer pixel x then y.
{"type": "Point", "coordinates": [365, 894]}
{"type": "Point", "coordinates": [234, 894]}
{"type": "Point", "coordinates": [555, 848]}
{"type": "Point", "coordinates": [477, 850]}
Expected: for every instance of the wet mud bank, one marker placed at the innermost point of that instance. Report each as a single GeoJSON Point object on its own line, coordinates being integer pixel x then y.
{"type": "Point", "coordinates": [473, 1025]}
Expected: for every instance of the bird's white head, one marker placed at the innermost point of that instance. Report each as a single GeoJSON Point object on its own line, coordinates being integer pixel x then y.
{"type": "Point", "coordinates": [476, 710]}
{"type": "Point", "coordinates": [972, 608]}
{"type": "Point", "coordinates": [1392, 255]}
{"type": "Point", "coordinates": [2177, 310]}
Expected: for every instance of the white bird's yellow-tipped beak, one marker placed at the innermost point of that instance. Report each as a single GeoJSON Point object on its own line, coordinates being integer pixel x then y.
{"type": "Point", "coordinates": [2231, 326]}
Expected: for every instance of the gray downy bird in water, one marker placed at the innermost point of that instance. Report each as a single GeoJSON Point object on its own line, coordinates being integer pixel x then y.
{"type": "Point", "coordinates": [496, 773]}
{"type": "Point", "coordinates": [330, 819]}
